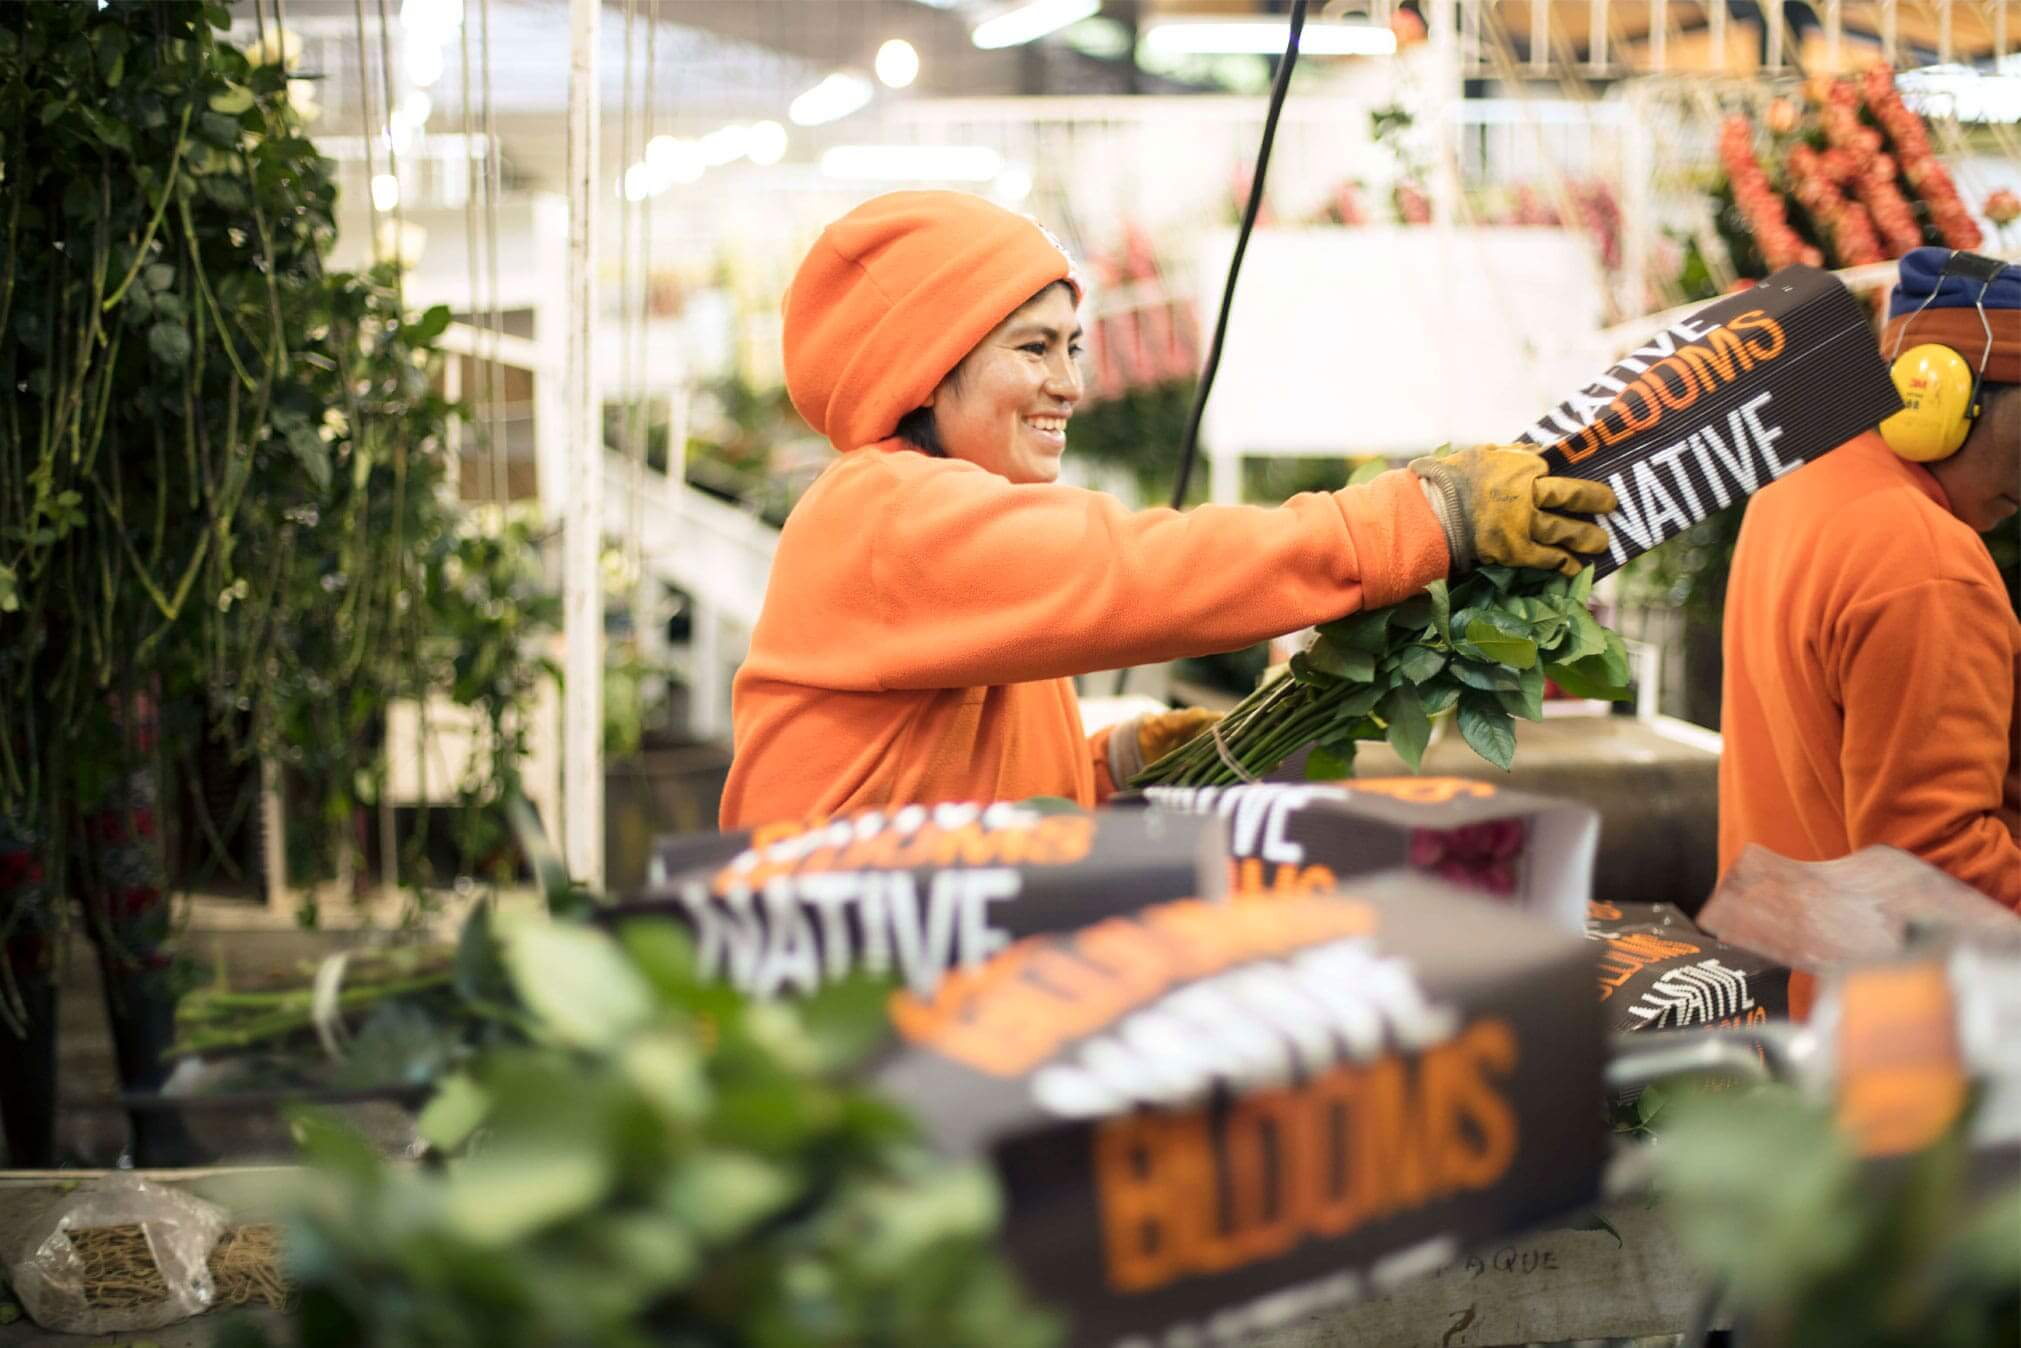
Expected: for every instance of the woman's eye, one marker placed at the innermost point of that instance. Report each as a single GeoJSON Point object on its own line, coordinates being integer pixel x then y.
{"type": "Point", "coordinates": [1076, 350]}
{"type": "Point", "coordinates": [1036, 348]}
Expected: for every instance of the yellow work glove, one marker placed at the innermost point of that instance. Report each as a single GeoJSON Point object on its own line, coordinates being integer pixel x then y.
{"type": "Point", "coordinates": [1135, 745]}
{"type": "Point", "coordinates": [1494, 503]}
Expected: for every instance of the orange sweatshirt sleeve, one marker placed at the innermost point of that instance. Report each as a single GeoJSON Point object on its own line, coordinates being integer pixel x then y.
{"type": "Point", "coordinates": [977, 581]}
{"type": "Point", "coordinates": [1927, 683]}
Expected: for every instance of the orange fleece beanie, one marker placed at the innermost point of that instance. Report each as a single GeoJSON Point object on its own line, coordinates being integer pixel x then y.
{"type": "Point", "coordinates": [894, 294]}
{"type": "Point", "coordinates": [1964, 333]}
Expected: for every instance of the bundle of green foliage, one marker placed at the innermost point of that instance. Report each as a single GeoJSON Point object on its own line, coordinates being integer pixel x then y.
{"type": "Point", "coordinates": [642, 1158]}
{"type": "Point", "coordinates": [222, 468]}
{"type": "Point", "coordinates": [1816, 1249]}
{"type": "Point", "coordinates": [1481, 647]}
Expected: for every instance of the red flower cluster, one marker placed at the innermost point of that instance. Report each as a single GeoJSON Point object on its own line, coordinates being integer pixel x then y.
{"type": "Point", "coordinates": [1475, 856]}
{"type": "Point", "coordinates": [1759, 203]}
{"type": "Point", "coordinates": [1919, 164]}
{"type": "Point", "coordinates": [1856, 155]}
{"type": "Point", "coordinates": [19, 869]}
{"type": "Point", "coordinates": [2002, 207]}
{"type": "Point", "coordinates": [1814, 180]}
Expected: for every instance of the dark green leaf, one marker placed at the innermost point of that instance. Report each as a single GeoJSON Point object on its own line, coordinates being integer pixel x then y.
{"type": "Point", "coordinates": [1358, 703]}
{"type": "Point", "coordinates": [1439, 697]}
{"type": "Point", "coordinates": [1478, 674]}
{"type": "Point", "coordinates": [158, 275]}
{"type": "Point", "coordinates": [1419, 663]}
{"type": "Point", "coordinates": [1528, 700]}
{"type": "Point", "coordinates": [1303, 670]}
{"type": "Point", "coordinates": [1516, 652]}
{"type": "Point", "coordinates": [1582, 586]}
{"type": "Point", "coordinates": [1615, 659]}
{"type": "Point", "coordinates": [1349, 663]}
{"type": "Point", "coordinates": [1498, 576]}
{"type": "Point", "coordinates": [170, 343]}
{"type": "Point", "coordinates": [1409, 730]}
{"type": "Point", "coordinates": [1367, 632]}
{"type": "Point", "coordinates": [1413, 614]}
{"type": "Point", "coordinates": [1585, 678]}
{"type": "Point", "coordinates": [1488, 729]}
{"type": "Point", "coordinates": [1442, 609]}
{"type": "Point", "coordinates": [1330, 764]}
{"type": "Point", "coordinates": [1584, 637]}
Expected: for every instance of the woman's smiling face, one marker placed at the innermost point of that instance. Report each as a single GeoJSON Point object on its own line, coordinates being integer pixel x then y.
{"type": "Point", "coordinates": [1005, 407]}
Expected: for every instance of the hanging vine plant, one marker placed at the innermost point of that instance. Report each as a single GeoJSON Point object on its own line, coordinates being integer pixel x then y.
{"type": "Point", "coordinates": [222, 469]}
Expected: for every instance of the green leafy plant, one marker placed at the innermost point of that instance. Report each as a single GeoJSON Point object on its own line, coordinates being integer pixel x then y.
{"type": "Point", "coordinates": [222, 468]}
{"type": "Point", "coordinates": [1814, 1247]}
{"type": "Point", "coordinates": [641, 1157]}
{"type": "Point", "coordinates": [1481, 648]}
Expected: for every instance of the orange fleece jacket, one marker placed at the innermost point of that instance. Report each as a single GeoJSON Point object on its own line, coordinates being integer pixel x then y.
{"type": "Point", "coordinates": [924, 614]}
{"type": "Point", "coordinates": [1872, 667]}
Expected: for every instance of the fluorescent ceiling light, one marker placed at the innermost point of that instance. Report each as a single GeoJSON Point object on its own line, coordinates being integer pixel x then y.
{"type": "Point", "coordinates": [1267, 38]}
{"type": "Point", "coordinates": [897, 63]}
{"type": "Point", "coordinates": [832, 99]}
{"type": "Point", "coordinates": [913, 163]}
{"type": "Point", "coordinates": [767, 144]}
{"type": "Point", "coordinates": [674, 161]}
{"type": "Point", "coordinates": [1030, 21]}
{"type": "Point", "coordinates": [726, 145]}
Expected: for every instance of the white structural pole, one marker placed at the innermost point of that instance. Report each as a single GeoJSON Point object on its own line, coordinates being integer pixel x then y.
{"type": "Point", "coordinates": [582, 536]}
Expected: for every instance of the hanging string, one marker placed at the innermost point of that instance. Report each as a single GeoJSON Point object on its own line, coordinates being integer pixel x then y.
{"type": "Point", "coordinates": [501, 484]}
{"type": "Point", "coordinates": [627, 212]}
{"type": "Point", "coordinates": [472, 308]}
{"type": "Point", "coordinates": [365, 114]}
{"type": "Point", "coordinates": [637, 521]}
{"type": "Point", "coordinates": [393, 163]}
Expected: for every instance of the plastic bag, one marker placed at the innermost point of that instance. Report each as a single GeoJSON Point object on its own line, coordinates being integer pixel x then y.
{"type": "Point", "coordinates": [59, 1287]}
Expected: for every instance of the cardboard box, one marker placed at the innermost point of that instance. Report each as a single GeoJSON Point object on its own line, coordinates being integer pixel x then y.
{"type": "Point", "coordinates": [1719, 404]}
{"type": "Point", "coordinates": [913, 892]}
{"type": "Point", "coordinates": [1213, 1119]}
{"type": "Point", "coordinates": [1530, 852]}
{"type": "Point", "coordinates": [1658, 971]}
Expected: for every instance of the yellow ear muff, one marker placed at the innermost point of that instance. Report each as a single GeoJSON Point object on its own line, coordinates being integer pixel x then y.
{"type": "Point", "coordinates": [1937, 404]}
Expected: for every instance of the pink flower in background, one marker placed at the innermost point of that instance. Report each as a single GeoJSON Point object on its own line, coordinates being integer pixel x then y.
{"type": "Point", "coordinates": [1483, 856]}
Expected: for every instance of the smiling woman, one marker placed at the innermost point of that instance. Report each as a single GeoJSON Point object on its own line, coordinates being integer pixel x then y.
{"type": "Point", "coordinates": [1005, 407]}
{"type": "Point", "coordinates": [936, 588]}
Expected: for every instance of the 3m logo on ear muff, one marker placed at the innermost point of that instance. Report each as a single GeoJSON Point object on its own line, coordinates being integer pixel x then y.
{"type": "Point", "coordinates": [1938, 406]}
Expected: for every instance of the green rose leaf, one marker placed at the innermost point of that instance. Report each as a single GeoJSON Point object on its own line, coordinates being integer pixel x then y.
{"type": "Point", "coordinates": [1442, 609]}
{"type": "Point", "coordinates": [1491, 641]}
{"type": "Point", "coordinates": [1329, 763]}
{"type": "Point", "coordinates": [1413, 614]}
{"type": "Point", "coordinates": [1527, 701]}
{"type": "Point", "coordinates": [1421, 662]}
{"type": "Point", "coordinates": [1583, 637]}
{"type": "Point", "coordinates": [1342, 662]}
{"type": "Point", "coordinates": [1303, 670]}
{"type": "Point", "coordinates": [1582, 586]}
{"type": "Point", "coordinates": [1585, 678]}
{"type": "Point", "coordinates": [1409, 729]}
{"type": "Point", "coordinates": [1487, 677]}
{"type": "Point", "coordinates": [1367, 631]}
{"type": "Point", "coordinates": [1615, 658]}
{"type": "Point", "coordinates": [1488, 729]}
{"type": "Point", "coordinates": [1501, 577]}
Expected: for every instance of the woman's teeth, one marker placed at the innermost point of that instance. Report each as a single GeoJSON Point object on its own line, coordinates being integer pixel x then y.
{"type": "Point", "coordinates": [1054, 425]}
